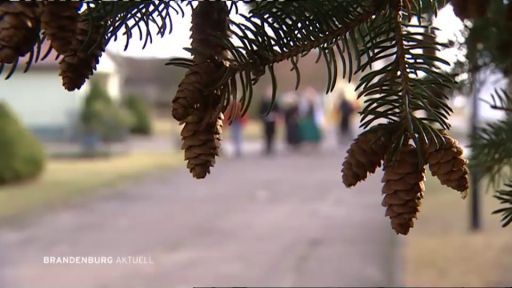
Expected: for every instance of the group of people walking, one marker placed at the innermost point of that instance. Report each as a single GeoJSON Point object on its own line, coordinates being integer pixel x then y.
{"type": "Point", "coordinates": [303, 116]}
{"type": "Point", "coordinates": [304, 119]}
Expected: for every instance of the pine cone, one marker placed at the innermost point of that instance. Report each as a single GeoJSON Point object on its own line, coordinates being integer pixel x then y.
{"type": "Point", "coordinates": [196, 103]}
{"type": "Point", "coordinates": [209, 19]}
{"type": "Point", "coordinates": [403, 189]}
{"type": "Point", "coordinates": [365, 155]}
{"type": "Point", "coordinates": [470, 9]}
{"type": "Point", "coordinates": [447, 164]}
{"type": "Point", "coordinates": [81, 59]}
{"type": "Point", "coordinates": [197, 82]}
{"type": "Point", "coordinates": [59, 21]}
{"type": "Point", "coordinates": [201, 143]}
{"type": "Point", "coordinates": [19, 29]}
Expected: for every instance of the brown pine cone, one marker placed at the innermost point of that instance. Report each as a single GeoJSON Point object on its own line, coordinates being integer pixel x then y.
{"type": "Point", "coordinates": [197, 82]}
{"type": "Point", "coordinates": [19, 29]}
{"type": "Point", "coordinates": [447, 164]}
{"type": "Point", "coordinates": [470, 9]}
{"type": "Point", "coordinates": [197, 103]}
{"type": "Point", "coordinates": [59, 21]}
{"type": "Point", "coordinates": [201, 142]}
{"type": "Point", "coordinates": [209, 19]}
{"type": "Point", "coordinates": [365, 155]}
{"type": "Point", "coordinates": [80, 61]}
{"type": "Point", "coordinates": [403, 189]}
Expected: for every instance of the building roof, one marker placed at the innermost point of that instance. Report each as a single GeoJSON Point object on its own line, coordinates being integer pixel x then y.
{"type": "Point", "coordinates": [148, 71]}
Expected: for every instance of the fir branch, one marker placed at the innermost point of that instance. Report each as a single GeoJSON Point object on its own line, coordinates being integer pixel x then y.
{"type": "Point", "coordinates": [409, 84]}
{"type": "Point", "coordinates": [492, 155]}
{"type": "Point", "coordinates": [490, 151]}
{"type": "Point", "coordinates": [501, 101]}
{"type": "Point", "coordinates": [489, 144]}
{"type": "Point", "coordinates": [327, 39]}
{"type": "Point", "coordinates": [298, 27]}
{"type": "Point", "coordinates": [505, 109]}
{"type": "Point", "coordinates": [365, 32]}
{"type": "Point", "coordinates": [38, 53]}
{"type": "Point", "coordinates": [505, 197]}
{"type": "Point", "coordinates": [407, 113]}
{"type": "Point", "coordinates": [130, 18]}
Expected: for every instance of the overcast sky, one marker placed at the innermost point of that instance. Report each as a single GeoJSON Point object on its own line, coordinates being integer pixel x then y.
{"type": "Point", "coordinates": [171, 45]}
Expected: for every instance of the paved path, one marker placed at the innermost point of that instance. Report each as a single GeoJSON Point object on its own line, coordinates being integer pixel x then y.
{"type": "Point", "coordinates": [285, 221]}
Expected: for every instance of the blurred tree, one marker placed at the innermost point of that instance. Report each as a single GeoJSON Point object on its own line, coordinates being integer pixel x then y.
{"type": "Point", "coordinates": [140, 113]}
{"type": "Point", "coordinates": [102, 119]}
{"type": "Point", "coordinates": [91, 114]}
{"type": "Point", "coordinates": [389, 44]}
{"type": "Point", "coordinates": [22, 156]}
{"type": "Point", "coordinates": [489, 39]}
{"type": "Point", "coordinates": [488, 45]}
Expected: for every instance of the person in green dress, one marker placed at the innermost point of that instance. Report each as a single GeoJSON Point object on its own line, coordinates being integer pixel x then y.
{"type": "Point", "coordinates": [308, 123]}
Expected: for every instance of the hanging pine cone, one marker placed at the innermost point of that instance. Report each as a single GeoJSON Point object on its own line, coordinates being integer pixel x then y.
{"type": "Point", "coordinates": [201, 142]}
{"type": "Point", "coordinates": [201, 135]}
{"type": "Point", "coordinates": [365, 155]}
{"type": "Point", "coordinates": [197, 103]}
{"type": "Point", "coordinates": [19, 29]}
{"type": "Point", "coordinates": [59, 21]}
{"type": "Point", "coordinates": [470, 9]}
{"type": "Point", "coordinates": [447, 164]}
{"type": "Point", "coordinates": [403, 189]}
{"type": "Point", "coordinates": [198, 80]}
{"type": "Point", "coordinates": [209, 19]}
{"type": "Point", "coordinates": [80, 61]}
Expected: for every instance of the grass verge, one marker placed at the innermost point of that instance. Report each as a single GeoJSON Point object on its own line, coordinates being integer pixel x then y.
{"type": "Point", "coordinates": [252, 129]}
{"type": "Point", "coordinates": [65, 180]}
{"type": "Point", "coordinates": [442, 251]}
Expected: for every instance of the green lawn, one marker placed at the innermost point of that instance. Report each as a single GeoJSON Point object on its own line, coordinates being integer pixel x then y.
{"type": "Point", "coordinates": [68, 179]}
{"type": "Point", "coordinates": [441, 251]}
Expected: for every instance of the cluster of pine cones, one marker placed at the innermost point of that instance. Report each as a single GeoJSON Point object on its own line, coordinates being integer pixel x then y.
{"type": "Point", "coordinates": [77, 40]}
{"type": "Point", "coordinates": [404, 174]}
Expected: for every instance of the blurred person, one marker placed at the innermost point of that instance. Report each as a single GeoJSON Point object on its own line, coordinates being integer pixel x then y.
{"type": "Point", "coordinates": [291, 120]}
{"type": "Point", "coordinates": [269, 113]}
{"type": "Point", "coordinates": [233, 117]}
{"type": "Point", "coordinates": [346, 109]}
{"type": "Point", "coordinates": [311, 117]}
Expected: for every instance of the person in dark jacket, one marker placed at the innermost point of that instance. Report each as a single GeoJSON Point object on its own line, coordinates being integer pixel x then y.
{"type": "Point", "coordinates": [269, 113]}
{"type": "Point", "coordinates": [347, 109]}
{"type": "Point", "coordinates": [291, 119]}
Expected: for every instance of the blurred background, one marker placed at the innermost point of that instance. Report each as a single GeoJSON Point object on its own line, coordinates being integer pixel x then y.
{"type": "Point", "coordinates": [99, 172]}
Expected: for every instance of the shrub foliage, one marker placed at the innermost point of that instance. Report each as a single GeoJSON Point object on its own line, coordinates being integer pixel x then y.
{"type": "Point", "coordinates": [21, 155]}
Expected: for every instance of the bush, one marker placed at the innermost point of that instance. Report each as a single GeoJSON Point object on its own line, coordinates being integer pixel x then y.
{"type": "Point", "coordinates": [141, 115]}
{"type": "Point", "coordinates": [103, 118]}
{"type": "Point", "coordinates": [21, 155]}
